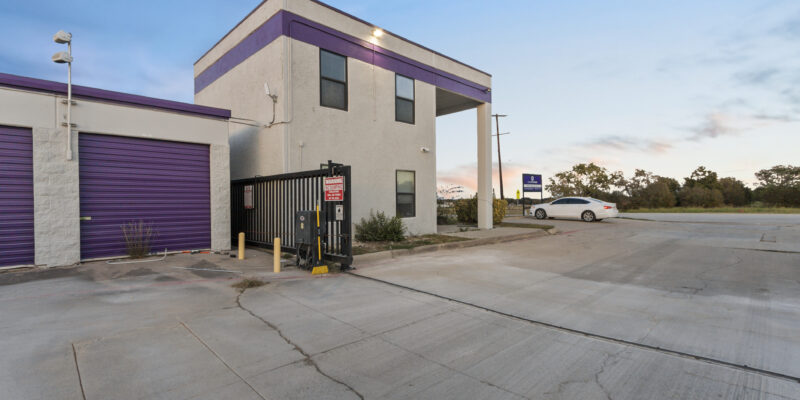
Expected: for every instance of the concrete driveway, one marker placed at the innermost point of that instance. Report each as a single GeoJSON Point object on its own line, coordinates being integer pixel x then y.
{"type": "Point", "coordinates": [618, 291]}
{"type": "Point", "coordinates": [724, 290]}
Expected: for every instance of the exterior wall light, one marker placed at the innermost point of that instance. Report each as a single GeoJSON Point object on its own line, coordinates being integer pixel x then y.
{"type": "Point", "coordinates": [377, 32]}
{"type": "Point", "coordinates": [65, 57]}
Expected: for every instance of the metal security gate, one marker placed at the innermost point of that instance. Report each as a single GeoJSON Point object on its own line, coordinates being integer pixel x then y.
{"type": "Point", "coordinates": [264, 208]}
{"type": "Point", "coordinates": [16, 196]}
{"type": "Point", "coordinates": [164, 185]}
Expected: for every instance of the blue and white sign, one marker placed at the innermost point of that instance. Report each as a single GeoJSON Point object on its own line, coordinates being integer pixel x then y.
{"type": "Point", "coordinates": [531, 183]}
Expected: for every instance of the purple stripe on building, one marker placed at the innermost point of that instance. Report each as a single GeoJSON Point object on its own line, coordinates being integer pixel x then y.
{"type": "Point", "coordinates": [165, 185]}
{"type": "Point", "coordinates": [16, 196]}
{"type": "Point", "coordinates": [305, 30]}
{"type": "Point", "coordinates": [84, 92]}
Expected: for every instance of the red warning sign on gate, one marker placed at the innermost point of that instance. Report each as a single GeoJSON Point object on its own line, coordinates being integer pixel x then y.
{"type": "Point", "coordinates": [334, 188]}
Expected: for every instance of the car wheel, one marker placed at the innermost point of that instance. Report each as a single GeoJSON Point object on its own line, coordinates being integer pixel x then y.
{"type": "Point", "coordinates": [588, 216]}
{"type": "Point", "coordinates": [540, 214]}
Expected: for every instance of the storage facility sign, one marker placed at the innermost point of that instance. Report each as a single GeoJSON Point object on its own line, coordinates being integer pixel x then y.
{"type": "Point", "coordinates": [248, 197]}
{"type": "Point", "coordinates": [334, 188]}
{"type": "Point", "coordinates": [531, 183]}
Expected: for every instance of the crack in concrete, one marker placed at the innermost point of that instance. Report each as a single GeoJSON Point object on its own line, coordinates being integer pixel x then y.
{"type": "Point", "coordinates": [78, 370]}
{"type": "Point", "coordinates": [307, 358]}
{"type": "Point", "coordinates": [453, 369]}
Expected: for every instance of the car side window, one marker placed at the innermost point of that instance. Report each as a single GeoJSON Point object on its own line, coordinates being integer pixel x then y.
{"type": "Point", "coordinates": [562, 201]}
{"type": "Point", "coordinates": [581, 201]}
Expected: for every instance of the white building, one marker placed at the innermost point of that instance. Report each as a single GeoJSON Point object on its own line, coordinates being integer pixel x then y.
{"type": "Point", "coordinates": [343, 90]}
{"type": "Point", "coordinates": [64, 197]}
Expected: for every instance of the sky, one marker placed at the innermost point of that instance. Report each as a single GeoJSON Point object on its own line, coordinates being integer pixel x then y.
{"type": "Point", "coordinates": [654, 85]}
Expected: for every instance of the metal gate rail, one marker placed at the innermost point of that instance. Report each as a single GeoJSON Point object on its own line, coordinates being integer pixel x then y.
{"type": "Point", "coordinates": [277, 198]}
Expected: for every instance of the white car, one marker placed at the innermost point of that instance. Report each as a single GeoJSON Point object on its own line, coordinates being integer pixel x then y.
{"type": "Point", "coordinates": [584, 208]}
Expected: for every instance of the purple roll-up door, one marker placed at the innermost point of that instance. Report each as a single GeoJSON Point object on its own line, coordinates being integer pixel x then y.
{"type": "Point", "coordinates": [16, 196]}
{"type": "Point", "coordinates": [164, 185]}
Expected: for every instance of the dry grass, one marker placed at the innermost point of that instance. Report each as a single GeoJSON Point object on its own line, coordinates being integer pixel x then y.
{"type": "Point", "coordinates": [138, 237]}
{"type": "Point", "coordinates": [248, 283]}
{"type": "Point", "coordinates": [727, 210]}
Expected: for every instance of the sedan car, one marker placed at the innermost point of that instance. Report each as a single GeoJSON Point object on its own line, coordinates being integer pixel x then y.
{"type": "Point", "coordinates": [583, 208]}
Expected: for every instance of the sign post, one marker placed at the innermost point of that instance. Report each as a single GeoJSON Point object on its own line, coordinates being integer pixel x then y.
{"type": "Point", "coordinates": [532, 183]}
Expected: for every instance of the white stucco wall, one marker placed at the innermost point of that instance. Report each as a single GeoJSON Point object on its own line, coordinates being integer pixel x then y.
{"type": "Point", "coordinates": [56, 180]}
{"type": "Point", "coordinates": [366, 136]}
{"type": "Point", "coordinates": [255, 149]}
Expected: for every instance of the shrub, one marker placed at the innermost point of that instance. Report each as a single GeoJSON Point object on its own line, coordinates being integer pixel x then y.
{"type": "Point", "coordinates": [445, 213]}
{"type": "Point", "coordinates": [138, 237]}
{"type": "Point", "coordinates": [378, 228]}
{"type": "Point", "coordinates": [699, 196]}
{"type": "Point", "coordinates": [658, 195]}
{"type": "Point", "coordinates": [467, 210]}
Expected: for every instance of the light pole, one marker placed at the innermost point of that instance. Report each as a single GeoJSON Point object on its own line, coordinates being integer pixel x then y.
{"type": "Point", "coordinates": [65, 57]}
{"type": "Point", "coordinates": [499, 161]}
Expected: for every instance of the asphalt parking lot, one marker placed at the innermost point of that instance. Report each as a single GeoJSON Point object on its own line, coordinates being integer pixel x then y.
{"type": "Point", "coordinates": [695, 307]}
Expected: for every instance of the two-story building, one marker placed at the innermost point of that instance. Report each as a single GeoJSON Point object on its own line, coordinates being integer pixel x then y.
{"type": "Point", "coordinates": [307, 83]}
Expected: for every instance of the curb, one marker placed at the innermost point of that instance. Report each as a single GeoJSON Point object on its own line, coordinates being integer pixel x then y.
{"type": "Point", "coordinates": [389, 254]}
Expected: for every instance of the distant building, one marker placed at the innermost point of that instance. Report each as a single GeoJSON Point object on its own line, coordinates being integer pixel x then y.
{"type": "Point", "coordinates": [344, 91]}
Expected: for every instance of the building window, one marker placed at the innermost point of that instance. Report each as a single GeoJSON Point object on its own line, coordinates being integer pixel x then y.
{"type": "Point", "coordinates": [406, 202]}
{"type": "Point", "coordinates": [403, 99]}
{"type": "Point", "coordinates": [332, 80]}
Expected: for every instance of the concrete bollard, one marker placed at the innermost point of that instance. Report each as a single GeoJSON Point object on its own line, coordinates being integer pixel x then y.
{"type": "Point", "coordinates": [276, 256]}
{"type": "Point", "coordinates": [241, 245]}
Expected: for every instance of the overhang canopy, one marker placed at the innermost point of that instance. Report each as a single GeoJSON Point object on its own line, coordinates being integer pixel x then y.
{"type": "Point", "coordinates": [448, 102]}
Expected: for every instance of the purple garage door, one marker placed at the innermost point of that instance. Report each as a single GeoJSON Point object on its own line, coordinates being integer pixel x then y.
{"type": "Point", "coordinates": [164, 185]}
{"type": "Point", "coordinates": [16, 196]}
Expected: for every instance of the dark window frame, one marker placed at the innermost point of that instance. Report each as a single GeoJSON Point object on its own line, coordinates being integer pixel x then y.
{"type": "Point", "coordinates": [397, 194]}
{"type": "Point", "coordinates": [323, 78]}
{"type": "Point", "coordinates": [413, 101]}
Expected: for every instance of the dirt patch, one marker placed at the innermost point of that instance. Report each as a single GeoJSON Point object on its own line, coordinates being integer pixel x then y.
{"type": "Point", "coordinates": [22, 276]}
{"type": "Point", "coordinates": [139, 272]}
{"type": "Point", "coordinates": [248, 283]}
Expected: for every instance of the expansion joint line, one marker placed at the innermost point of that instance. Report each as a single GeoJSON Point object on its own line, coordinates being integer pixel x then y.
{"type": "Point", "coordinates": [674, 353]}
{"type": "Point", "coordinates": [306, 356]}
{"type": "Point", "coordinates": [221, 360]}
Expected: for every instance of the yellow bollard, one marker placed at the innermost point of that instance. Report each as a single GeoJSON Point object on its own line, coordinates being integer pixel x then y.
{"type": "Point", "coordinates": [276, 256]}
{"type": "Point", "coordinates": [241, 245]}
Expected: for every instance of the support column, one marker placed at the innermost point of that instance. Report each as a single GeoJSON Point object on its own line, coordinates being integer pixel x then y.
{"type": "Point", "coordinates": [485, 166]}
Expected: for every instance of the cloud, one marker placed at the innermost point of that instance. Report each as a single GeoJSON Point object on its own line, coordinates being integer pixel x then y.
{"type": "Point", "coordinates": [789, 29]}
{"type": "Point", "coordinates": [628, 143]}
{"type": "Point", "coordinates": [776, 117]}
{"type": "Point", "coordinates": [714, 125]}
{"type": "Point", "coordinates": [757, 77]}
{"type": "Point", "coordinates": [467, 176]}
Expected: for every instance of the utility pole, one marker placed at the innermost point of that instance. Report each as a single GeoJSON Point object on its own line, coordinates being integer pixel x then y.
{"type": "Point", "coordinates": [499, 161]}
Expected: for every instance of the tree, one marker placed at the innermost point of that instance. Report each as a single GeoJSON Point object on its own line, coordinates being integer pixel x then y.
{"type": "Point", "coordinates": [588, 180]}
{"type": "Point", "coordinates": [734, 192]}
{"type": "Point", "coordinates": [699, 196]}
{"type": "Point", "coordinates": [449, 192]}
{"type": "Point", "coordinates": [658, 195]}
{"type": "Point", "coordinates": [702, 177]}
{"type": "Point", "coordinates": [672, 183]}
{"type": "Point", "coordinates": [779, 186]}
{"type": "Point", "coordinates": [779, 175]}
